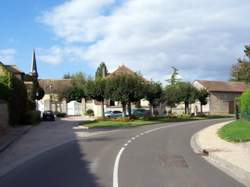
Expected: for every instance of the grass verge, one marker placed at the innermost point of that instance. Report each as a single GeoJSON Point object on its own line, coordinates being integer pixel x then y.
{"type": "Point", "coordinates": [109, 123]}
{"type": "Point", "coordinates": [237, 131]}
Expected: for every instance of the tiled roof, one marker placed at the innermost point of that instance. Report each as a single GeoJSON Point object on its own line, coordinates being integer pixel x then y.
{"type": "Point", "coordinates": [223, 86]}
{"type": "Point", "coordinates": [57, 85]}
{"type": "Point", "coordinates": [123, 70]}
{"type": "Point", "coordinates": [14, 69]}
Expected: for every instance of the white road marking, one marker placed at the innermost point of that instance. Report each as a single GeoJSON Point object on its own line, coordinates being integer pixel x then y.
{"type": "Point", "coordinates": [118, 157]}
{"type": "Point", "coordinates": [116, 167]}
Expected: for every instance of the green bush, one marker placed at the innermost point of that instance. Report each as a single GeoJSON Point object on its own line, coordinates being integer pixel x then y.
{"type": "Point", "coordinates": [245, 105]}
{"type": "Point", "coordinates": [32, 117]}
{"type": "Point", "coordinates": [89, 112]}
{"type": "Point", "coordinates": [61, 114]}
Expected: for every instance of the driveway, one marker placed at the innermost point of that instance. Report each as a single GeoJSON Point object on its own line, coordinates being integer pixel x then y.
{"type": "Point", "coordinates": [149, 156]}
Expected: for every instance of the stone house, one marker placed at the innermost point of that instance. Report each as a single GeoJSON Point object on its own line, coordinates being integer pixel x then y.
{"type": "Point", "coordinates": [222, 96]}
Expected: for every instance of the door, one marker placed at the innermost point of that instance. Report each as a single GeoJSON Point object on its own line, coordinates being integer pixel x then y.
{"type": "Point", "coordinates": [231, 107]}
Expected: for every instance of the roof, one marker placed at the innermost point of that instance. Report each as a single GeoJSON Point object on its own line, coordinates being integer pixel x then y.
{"type": "Point", "coordinates": [224, 86]}
{"type": "Point", "coordinates": [14, 69]}
{"type": "Point", "coordinates": [56, 85]}
{"type": "Point", "coordinates": [122, 70]}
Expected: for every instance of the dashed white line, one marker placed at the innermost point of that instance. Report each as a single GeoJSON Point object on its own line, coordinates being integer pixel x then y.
{"type": "Point", "coordinates": [118, 157]}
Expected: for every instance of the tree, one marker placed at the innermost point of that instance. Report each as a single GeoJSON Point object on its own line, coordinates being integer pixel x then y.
{"type": "Point", "coordinates": [153, 93]}
{"type": "Point", "coordinates": [202, 96]}
{"type": "Point", "coordinates": [174, 77]}
{"type": "Point", "coordinates": [241, 70]}
{"type": "Point", "coordinates": [95, 89]}
{"type": "Point", "coordinates": [125, 89]}
{"type": "Point", "coordinates": [77, 91]}
{"type": "Point", "coordinates": [171, 97]}
{"type": "Point", "coordinates": [187, 93]}
{"type": "Point", "coordinates": [101, 71]}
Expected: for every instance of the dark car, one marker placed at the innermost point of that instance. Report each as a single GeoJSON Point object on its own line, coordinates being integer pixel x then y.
{"type": "Point", "coordinates": [140, 112]}
{"type": "Point", "coordinates": [48, 115]}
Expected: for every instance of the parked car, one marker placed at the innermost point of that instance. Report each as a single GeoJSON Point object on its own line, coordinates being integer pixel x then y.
{"type": "Point", "coordinates": [140, 112]}
{"type": "Point", "coordinates": [48, 115]}
{"type": "Point", "coordinates": [113, 114]}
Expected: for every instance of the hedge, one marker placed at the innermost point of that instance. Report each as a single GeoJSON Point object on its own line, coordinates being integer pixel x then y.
{"type": "Point", "coordinates": [245, 105]}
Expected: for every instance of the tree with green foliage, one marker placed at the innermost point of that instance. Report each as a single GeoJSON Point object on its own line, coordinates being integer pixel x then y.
{"type": "Point", "coordinates": [37, 93]}
{"type": "Point", "coordinates": [174, 77]}
{"type": "Point", "coordinates": [125, 89]}
{"type": "Point", "coordinates": [77, 91]}
{"type": "Point", "coordinates": [101, 71]}
{"type": "Point", "coordinates": [245, 105]}
{"type": "Point", "coordinates": [153, 93]}
{"type": "Point", "coordinates": [171, 96]}
{"type": "Point", "coordinates": [187, 93]}
{"type": "Point", "coordinates": [241, 70]}
{"type": "Point", "coordinates": [95, 89]}
{"type": "Point", "coordinates": [202, 96]}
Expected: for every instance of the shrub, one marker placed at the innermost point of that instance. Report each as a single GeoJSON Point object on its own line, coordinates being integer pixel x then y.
{"type": "Point", "coordinates": [245, 104]}
{"type": "Point", "coordinates": [33, 117]}
{"type": "Point", "coordinates": [61, 114]}
{"type": "Point", "coordinates": [121, 119]}
{"type": "Point", "coordinates": [184, 116]}
{"type": "Point", "coordinates": [89, 112]}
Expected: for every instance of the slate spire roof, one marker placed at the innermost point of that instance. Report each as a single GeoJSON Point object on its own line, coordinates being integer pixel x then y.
{"type": "Point", "coordinates": [34, 72]}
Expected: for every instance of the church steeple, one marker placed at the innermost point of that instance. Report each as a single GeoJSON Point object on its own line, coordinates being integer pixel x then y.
{"type": "Point", "coordinates": [34, 72]}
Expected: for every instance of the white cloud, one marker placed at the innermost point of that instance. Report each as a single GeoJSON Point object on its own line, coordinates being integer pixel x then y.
{"type": "Point", "coordinates": [202, 39]}
{"type": "Point", "coordinates": [7, 55]}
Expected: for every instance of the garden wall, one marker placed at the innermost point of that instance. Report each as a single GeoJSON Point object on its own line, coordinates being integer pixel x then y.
{"type": "Point", "coordinates": [4, 115]}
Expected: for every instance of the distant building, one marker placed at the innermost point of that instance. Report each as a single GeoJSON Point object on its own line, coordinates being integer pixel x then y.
{"type": "Point", "coordinates": [222, 96]}
{"type": "Point", "coordinates": [54, 88]}
{"type": "Point", "coordinates": [14, 70]}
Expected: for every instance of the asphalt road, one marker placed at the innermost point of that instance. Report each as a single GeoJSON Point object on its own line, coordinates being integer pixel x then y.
{"type": "Point", "coordinates": [149, 156]}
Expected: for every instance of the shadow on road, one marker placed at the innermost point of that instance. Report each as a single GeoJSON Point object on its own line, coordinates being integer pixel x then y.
{"type": "Point", "coordinates": [64, 166]}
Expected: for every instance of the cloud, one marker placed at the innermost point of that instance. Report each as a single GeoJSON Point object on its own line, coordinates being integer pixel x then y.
{"type": "Point", "coordinates": [7, 55]}
{"type": "Point", "coordinates": [200, 38]}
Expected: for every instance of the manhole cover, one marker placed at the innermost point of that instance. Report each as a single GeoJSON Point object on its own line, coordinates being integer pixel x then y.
{"type": "Point", "coordinates": [172, 161]}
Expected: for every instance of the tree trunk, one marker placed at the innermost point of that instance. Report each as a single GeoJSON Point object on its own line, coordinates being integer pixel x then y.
{"type": "Point", "coordinates": [201, 109]}
{"type": "Point", "coordinates": [129, 109]}
{"type": "Point", "coordinates": [186, 107]}
{"type": "Point", "coordinates": [123, 110]}
{"type": "Point", "coordinates": [102, 106]}
{"type": "Point", "coordinates": [151, 110]}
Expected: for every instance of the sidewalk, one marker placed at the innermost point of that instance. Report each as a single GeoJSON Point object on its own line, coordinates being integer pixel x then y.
{"type": "Point", "coordinates": [12, 135]}
{"type": "Point", "coordinates": [41, 138]}
{"type": "Point", "coordinates": [232, 158]}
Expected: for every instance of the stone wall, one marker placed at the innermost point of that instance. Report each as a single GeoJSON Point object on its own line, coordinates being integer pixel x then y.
{"type": "Point", "coordinates": [4, 115]}
{"type": "Point", "coordinates": [220, 101]}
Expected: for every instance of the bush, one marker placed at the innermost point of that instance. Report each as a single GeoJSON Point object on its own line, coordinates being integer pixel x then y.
{"type": "Point", "coordinates": [61, 114]}
{"type": "Point", "coordinates": [33, 117]}
{"type": "Point", "coordinates": [121, 119]}
{"type": "Point", "coordinates": [245, 105]}
{"type": "Point", "coordinates": [184, 116]}
{"type": "Point", "coordinates": [89, 112]}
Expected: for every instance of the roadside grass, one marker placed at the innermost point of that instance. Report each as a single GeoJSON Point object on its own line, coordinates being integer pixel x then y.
{"type": "Point", "coordinates": [114, 123]}
{"type": "Point", "coordinates": [237, 131]}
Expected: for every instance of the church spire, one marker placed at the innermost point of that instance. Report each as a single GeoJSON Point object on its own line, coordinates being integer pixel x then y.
{"type": "Point", "coordinates": [34, 72]}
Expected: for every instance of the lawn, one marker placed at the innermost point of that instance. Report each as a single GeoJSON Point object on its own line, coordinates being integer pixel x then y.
{"type": "Point", "coordinates": [109, 123]}
{"type": "Point", "coordinates": [237, 131]}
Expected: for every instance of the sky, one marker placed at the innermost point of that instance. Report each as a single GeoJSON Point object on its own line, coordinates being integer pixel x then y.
{"type": "Point", "coordinates": [201, 38]}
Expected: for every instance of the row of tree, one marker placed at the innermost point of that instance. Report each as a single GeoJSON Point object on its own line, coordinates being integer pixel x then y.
{"type": "Point", "coordinates": [128, 89]}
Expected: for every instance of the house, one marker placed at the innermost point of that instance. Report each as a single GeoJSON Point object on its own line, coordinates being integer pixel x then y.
{"type": "Point", "coordinates": [13, 69]}
{"type": "Point", "coordinates": [52, 99]}
{"type": "Point", "coordinates": [222, 96]}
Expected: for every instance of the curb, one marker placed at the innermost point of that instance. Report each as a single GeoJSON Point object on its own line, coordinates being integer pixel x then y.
{"type": "Point", "coordinates": [13, 139]}
{"type": "Point", "coordinates": [230, 169]}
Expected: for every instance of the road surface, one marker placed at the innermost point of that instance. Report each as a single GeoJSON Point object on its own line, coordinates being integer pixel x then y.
{"type": "Point", "coordinates": [149, 156]}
